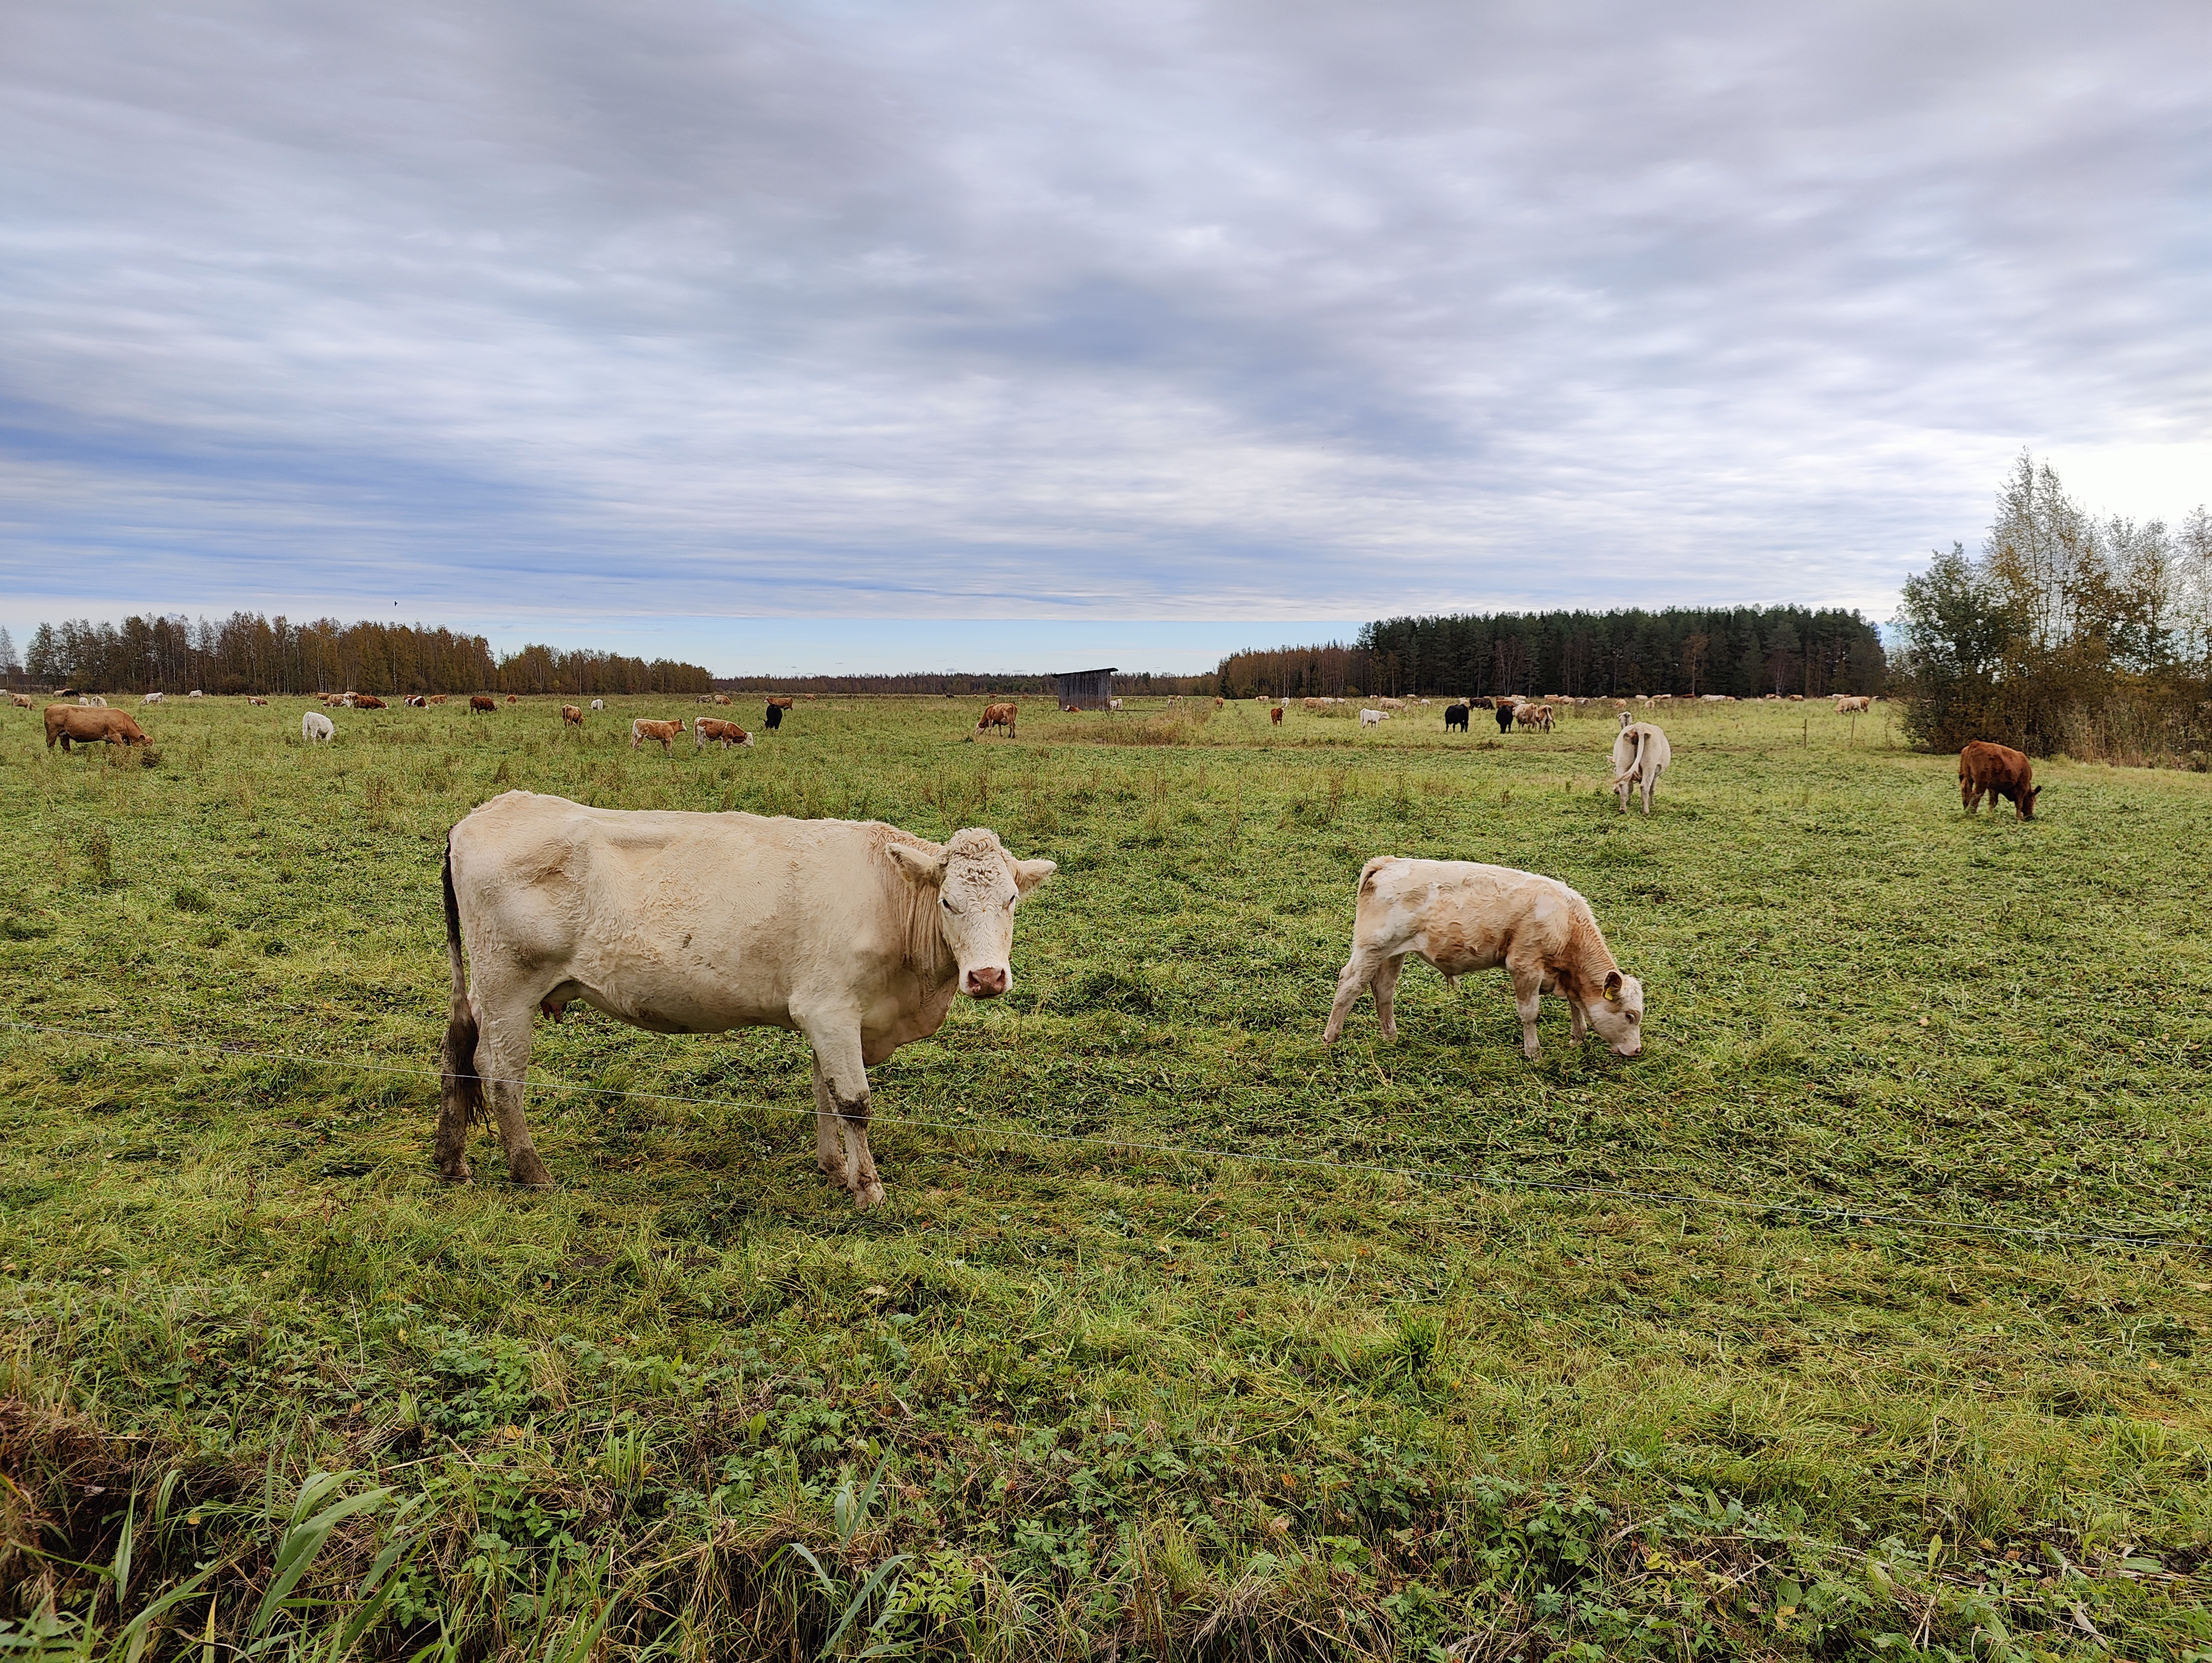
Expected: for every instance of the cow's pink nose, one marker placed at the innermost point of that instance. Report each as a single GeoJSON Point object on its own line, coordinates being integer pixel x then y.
{"type": "Point", "coordinates": [985, 984]}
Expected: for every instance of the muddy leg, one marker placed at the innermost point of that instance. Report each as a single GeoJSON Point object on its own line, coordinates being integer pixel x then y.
{"type": "Point", "coordinates": [460, 1096]}
{"type": "Point", "coordinates": [828, 1142]}
{"type": "Point", "coordinates": [503, 1058]}
{"type": "Point", "coordinates": [837, 1059]}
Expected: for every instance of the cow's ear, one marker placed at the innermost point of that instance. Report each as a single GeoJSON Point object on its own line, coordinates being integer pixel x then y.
{"type": "Point", "coordinates": [921, 865]}
{"type": "Point", "coordinates": [1612, 986]}
{"type": "Point", "coordinates": [1027, 874]}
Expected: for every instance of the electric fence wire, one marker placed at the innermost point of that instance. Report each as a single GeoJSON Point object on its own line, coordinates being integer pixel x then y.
{"type": "Point", "coordinates": [1846, 1214]}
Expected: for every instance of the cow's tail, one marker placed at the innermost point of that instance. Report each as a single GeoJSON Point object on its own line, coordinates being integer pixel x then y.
{"type": "Point", "coordinates": [461, 1089]}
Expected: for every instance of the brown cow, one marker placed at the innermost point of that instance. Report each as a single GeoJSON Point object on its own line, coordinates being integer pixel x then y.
{"type": "Point", "coordinates": [1998, 770]}
{"type": "Point", "coordinates": [1534, 715]}
{"type": "Point", "coordinates": [482, 701]}
{"type": "Point", "coordinates": [367, 702]}
{"type": "Point", "coordinates": [24, 701]}
{"type": "Point", "coordinates": [416, 702]}
{"type": "Point", "coordinates": [1847, 705]}
{"type": "Point", "coordinates": [571, 717]}
{"type": "Point", "coordinates": [641, 731]}
{"type": "Point", "coordinates": [437, 699]}
{"type": "Point", "coordinates": [721, 698]}
{"type": "Point", "coordinates": [257, 701]}
{"type": "Point", "coordinates": [998, 716]}
{"type": "Point", "coordinates": [1275, 715]}
{"type": "Point", "coordinates": [723, 734]}
{"type": "Point", "coordinates": [512, 700]}
{"type": "Point", "coordinates": [74, 722]}
{"type": "Point", "coordinates": [783, 703]}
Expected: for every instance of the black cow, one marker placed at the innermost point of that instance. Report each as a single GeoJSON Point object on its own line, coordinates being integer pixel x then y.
{"type": "Point", "coordinates": [774, 720]}
{"type": "Point", "coordinates": [1454, 717]}
{"type": "Point", "coordinates": [1505, 715]}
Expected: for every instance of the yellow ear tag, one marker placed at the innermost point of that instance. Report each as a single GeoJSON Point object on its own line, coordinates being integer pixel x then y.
{"type": "Point", "coordinates": [1612, 996]}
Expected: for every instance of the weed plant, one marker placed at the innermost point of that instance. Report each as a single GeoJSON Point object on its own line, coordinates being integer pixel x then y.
{"type": "Point", "coordinates": [1088, 1384]}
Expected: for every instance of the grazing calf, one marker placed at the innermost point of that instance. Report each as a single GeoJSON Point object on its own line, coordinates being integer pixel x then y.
{"type": "Point", "coordinates": [1313, 707]}
{"type": "Point", "coordinates": [1640, 754]}
{"type": "Point", "coordinates": [1390, 704]}
{"type": "Point", "coordinates": [314, 726]}
{"type": "Point", "coordinates": [367, 702]}
{"type": "Point", "coordinates": [24, 702]}
{"type": "Point", "coordinates": [1275, 715]}
{"type": "Point", "coordinates": [151, 699]}
{"type": "Point", "coordinates": [858, 934]}
{"type": "Point", "coordinates": [511, 699]}
{"type": "Point", "coordinates": [1505, 709]}
{"type": "Point", "coordinates": [1371, 717]}
{"type": "Point", "coordinates": [1847, 705]}
{"type": "Point", "coordinates": [998, 716]}
{"type": "Point", "coordinates": [723, 734]}
{"type": "Point", "coordinates": [482, 701]}
{"type": "Point", "coordinates": [435, 699]}
{"type": "Point", "coordinates": [599, 704]}
{"type": "Point", "coordinates": [91, 702]}
{"type": "Point", "coordinates": [1462, 917]}
{"type": "Point", "coordinates": [1984, 767]}
{"type": "Point", "coordinates": [1455, 717]}
{"type": "Point", "coordinates": [721, 698]}
{"type": "Point", "coordinates": [75, 724]}
{"type": "Point", "coordinates": [571, 717]}
{"type": "Point", "coordinates": [641, 731]}
{"type": "Point", "coordinates": [257, 701]}
{"type": "Point", "coordinates": [196, 694]}
{"type": "Point", "coordinates": [1533, 715]}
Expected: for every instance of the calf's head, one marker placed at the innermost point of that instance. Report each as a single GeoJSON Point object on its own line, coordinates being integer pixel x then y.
{"type": "Point", "coordinates": [1616, 1010]}
{"type": "Point", "coordinates": [972, 885]}
{"type": "Point", "coordinates": [2027, 795]}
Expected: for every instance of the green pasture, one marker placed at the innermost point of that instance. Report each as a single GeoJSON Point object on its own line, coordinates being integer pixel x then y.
{"type": "Point", "coordinates": [1448, 1375]}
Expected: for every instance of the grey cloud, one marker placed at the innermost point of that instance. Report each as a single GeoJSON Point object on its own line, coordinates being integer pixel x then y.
{"type": "Point", "coordinates": [1243, 309]}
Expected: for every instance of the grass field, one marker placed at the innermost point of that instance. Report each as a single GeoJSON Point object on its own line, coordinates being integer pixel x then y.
{"type": "Point", "coordinates": [1097, 1393]}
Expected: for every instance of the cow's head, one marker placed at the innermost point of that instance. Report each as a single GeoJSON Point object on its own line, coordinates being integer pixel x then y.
{"type": "Point", "coordinates": [2028, 797]}
{"type": "Point", "coordinates": [1616, 1010]}
{"type": "Point", "coordinates": [977, 883]}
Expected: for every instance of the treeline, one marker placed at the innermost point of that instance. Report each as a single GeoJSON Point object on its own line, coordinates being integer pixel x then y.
{"type": "Point", "coordinates": [246, 652]}
{"type": "Point", "coordinates": [2066, 633]}
{"type": "Point", "coordinates": [1748, 652]}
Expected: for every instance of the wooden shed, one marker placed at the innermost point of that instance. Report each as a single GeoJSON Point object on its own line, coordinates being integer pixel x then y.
{"type": "Point", "coordinates": [1084, 689]}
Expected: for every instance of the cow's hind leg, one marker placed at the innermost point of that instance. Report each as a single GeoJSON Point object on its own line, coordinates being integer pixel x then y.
{"type": "Point", "coordinates": [838, 1065]}
{"type": "Point", "coordinates": [1385, 987]}
{"type": "Point", "coordinates": [502, 1060]}
{"type": "Point", "coordinates": [1359, 969]}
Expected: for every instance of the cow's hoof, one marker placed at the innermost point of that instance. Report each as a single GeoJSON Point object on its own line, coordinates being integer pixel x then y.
{"type": "Point", "coordinates": [532, 1174]}
{"type": "Point", "coordinates": [870, 1194]}
{"type": "Point", "coordinates": [458, 1174]}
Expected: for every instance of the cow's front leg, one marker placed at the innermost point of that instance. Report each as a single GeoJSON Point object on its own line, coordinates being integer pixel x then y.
{"type": "Point", "coordinates": [503, 1060]}
{"type": "Point", "coordinates": [1528, 1000]}
{"type": "Point", "coordinates": [829, 1141]}
{"type": "Point", "coordinates": [839, 1068]}
{"type": "Point", "coordinates": [1577, 1024]}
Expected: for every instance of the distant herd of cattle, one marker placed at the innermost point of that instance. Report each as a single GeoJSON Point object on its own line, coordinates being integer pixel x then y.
{"type": "Point", "coordinates": [860, 935]}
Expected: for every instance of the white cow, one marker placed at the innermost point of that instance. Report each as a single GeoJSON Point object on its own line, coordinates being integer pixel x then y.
{"type": "Point", "coordinates": [1640, 755]}
{"type": "Point", "coordinates": [93, 700]}
{"type": "Point", "coordinates": [599, 704]}
{"type": "Point", "coordinates": [853, 933]}
{"type": "Point", "coordinates": [1373, 717]}
{"type": "Point", "coordinates": [196, 694]}
{"type": "Point", "coordinates": [1463, 917]}
{"type": "Point", "coordinates": [151, 699]}
{"type": "Point", "coordinates": [314, 725]}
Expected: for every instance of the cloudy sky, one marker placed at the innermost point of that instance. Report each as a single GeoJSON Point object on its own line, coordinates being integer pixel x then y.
{"type": "Point", "coordinates": [1157, 325]}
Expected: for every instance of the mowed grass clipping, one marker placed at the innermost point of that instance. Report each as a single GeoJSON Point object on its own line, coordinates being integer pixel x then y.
{"type": "Point", "coordinates": [1111, 1390]}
